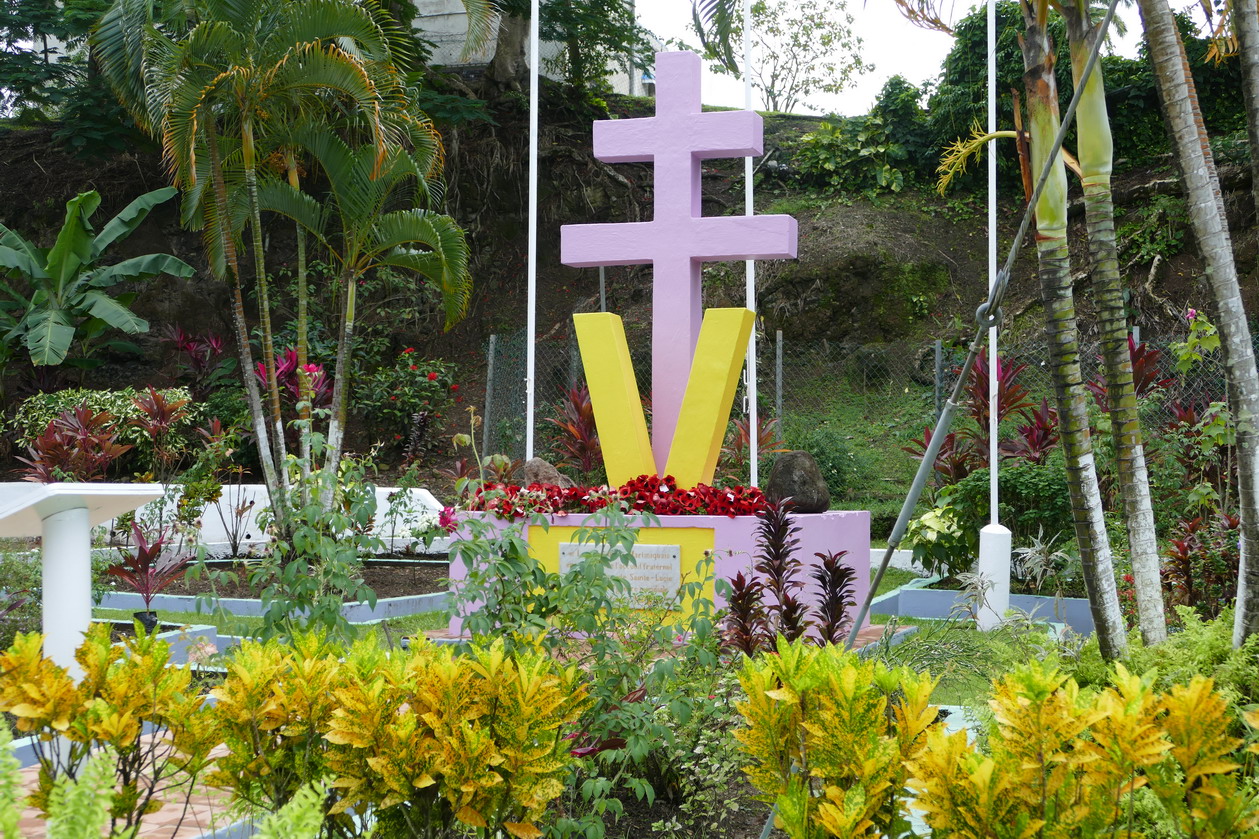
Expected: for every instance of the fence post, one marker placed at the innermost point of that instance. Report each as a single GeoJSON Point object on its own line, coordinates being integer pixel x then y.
{"type": "Point", "coordinates": [603, 289]}
{"type": "Point", "coordinates": [489, 397]}
{"type": "Point", "coordinates": [778, 382]}
{"type": "Point", "coordinates": [939, 377]}
{"type": "Point", "coordinates": [574, 361]}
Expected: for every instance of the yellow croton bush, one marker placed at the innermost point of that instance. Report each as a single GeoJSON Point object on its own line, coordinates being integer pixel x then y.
{"type": "Point", "coordinates": [416, 742]}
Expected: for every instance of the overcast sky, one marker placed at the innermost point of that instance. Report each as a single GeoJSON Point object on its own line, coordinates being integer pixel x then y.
{"type": "Point", "coordinates": [892, 44]}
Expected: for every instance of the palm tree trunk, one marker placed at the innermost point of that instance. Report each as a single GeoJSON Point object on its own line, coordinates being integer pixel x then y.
{"type": "Point", "coordinates": [1062, 337]}
{"type": "Point", "coordinates": [1095, 150]}
{"type": "Point", "coordinates": [249, 157]}
{"type": "Point", "coordinates": [306, 394]}
{"type": "Point", "coordinates": [340, 376]}
{"type": "Point", "coordinates": [223, 229]}
{"type": "Point", "coordinates": [1210, 228]}
{"type": "Point", "coordinates": [1246, 25]}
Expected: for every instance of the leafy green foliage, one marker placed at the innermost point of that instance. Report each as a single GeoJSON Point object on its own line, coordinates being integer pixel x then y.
{"type": "Point", "coordinates": [390, 398]}
{"type": "Point", "coordinates": [594, 34]}
{"type": "Point", "coordinates": [586, 615]}
{"type": "Point", "coordinates": [899, 106]}
{"type": "Point", "coordinates": [61, 295]}
{"type": "Point", "coordinates": [852, 154]}
{"type": "Point", "coordinates": [1154, 229]}
{"type": "Point", "coordinates": [840, 466]}
{"type": "Point", "coordinates": [34, 413]}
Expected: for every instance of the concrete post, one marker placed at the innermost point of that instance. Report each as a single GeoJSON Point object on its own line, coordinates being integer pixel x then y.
{"type": "Point", "coordinates": [66, 553]}
{"type": "Point", "coordinates": [995, 544]}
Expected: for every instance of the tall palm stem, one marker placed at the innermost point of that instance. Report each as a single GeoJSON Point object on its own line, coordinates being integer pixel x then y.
{"type": "Point", "coordinates": [306, 395]}
{"type": "Point", "coordinates": [1210, 227]}
{"type": "Point", "coordinates": [340, 383]}
{"type": "Point", "coordinates": [250, 161]}
{"type": "Point", "coordinates": [1095, 151]}
{"type": "Point", "coordinates": [222, 229]}
{"type": "Point", "coordinates": [1062, 335]}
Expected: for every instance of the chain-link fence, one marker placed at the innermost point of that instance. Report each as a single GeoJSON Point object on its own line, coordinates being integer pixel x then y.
{"type": "Point", "coordinates": [802, 385]}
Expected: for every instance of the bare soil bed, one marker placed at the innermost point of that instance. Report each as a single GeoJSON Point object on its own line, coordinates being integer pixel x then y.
{"type": "Point", "coordinates": [387, 580]}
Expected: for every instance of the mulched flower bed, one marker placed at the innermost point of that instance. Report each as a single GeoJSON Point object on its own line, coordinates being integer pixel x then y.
{"type": "Point", "coordinates": [387, 580]}
{"type": "Point", "coordinates": [646, 493]}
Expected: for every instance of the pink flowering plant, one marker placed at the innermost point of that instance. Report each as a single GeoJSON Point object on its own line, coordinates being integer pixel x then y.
{"type": "Point", "coordinates": [391, 397]}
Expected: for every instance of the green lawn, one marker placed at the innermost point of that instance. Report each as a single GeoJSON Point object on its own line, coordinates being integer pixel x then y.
{"type": "Point", "coordinates": [893, 578]}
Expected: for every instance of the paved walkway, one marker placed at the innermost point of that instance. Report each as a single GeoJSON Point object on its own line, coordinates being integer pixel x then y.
{"type": "Point", "coordinates": [182, 817]}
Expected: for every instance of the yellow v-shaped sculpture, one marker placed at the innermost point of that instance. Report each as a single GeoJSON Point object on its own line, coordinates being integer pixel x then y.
{"type": "Point", "coordinates": [618, 409]}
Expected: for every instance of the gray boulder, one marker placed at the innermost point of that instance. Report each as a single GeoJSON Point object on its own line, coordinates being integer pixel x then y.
{"type": "Point", "coordinates": [539, 471]}
{"type": "Point", "coordinates": [796, 476]}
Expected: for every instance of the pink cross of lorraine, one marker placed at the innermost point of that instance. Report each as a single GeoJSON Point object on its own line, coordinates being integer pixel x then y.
{"type": "Point", "coordinates": [678, 240]}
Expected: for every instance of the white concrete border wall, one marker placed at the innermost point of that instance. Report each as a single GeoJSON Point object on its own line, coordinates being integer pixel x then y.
{"type": "Point", "coordinates": [395, 527]}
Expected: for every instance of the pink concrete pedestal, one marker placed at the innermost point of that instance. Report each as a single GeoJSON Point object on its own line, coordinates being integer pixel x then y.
{"type": "Point", "coordinates": [732, 541]}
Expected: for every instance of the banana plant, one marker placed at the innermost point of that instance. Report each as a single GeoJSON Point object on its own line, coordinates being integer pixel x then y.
{"type": "Point", "coordinates": [59, 294]}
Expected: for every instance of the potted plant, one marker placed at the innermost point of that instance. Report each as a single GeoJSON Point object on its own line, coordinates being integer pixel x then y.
{"type": "Point", "coordinates": [147, 570]}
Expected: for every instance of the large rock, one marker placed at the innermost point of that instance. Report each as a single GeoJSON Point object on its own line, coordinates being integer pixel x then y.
{"type": "Point", "coordinates": [538, 471]}
{"type": "Point", "coordinates": [796, 476]}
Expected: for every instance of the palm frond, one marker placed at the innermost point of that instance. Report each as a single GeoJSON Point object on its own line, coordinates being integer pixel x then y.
{"type": "Point", "coordinates": [431, 245]}
{"type": "Point", "coordinates": [958, 155]}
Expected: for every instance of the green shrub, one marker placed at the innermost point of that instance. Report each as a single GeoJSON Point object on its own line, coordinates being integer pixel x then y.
{"type": "Point", "coordinates": [391, 396]}
{"type": "Point", "coordinates": [852, 154]}
{"type": "Point", "coordinates": [840, 465]}
{"type": "Point", "coordinates": [1034, 499]}
{"type": "Point", "coordinates": [34, 414]}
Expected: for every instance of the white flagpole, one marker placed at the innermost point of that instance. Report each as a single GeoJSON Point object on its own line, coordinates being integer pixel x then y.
{"type": "Point", "coordinates": [992, 259]}
{"type": "Point", "coordinates": [531, 318]}
{"type": "Point", "coordinates": [749, 267]}
{"type": "Point", "coordinates": [995, 541]}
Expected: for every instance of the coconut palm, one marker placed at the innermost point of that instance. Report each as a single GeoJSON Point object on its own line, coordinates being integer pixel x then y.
{"type": "Point", "coordinates": [1095, 153]}
{"type": "Point", "coordinates": [1210, 228]}
{"type": "Point", "coordinates": [362, 231]}
{"type": "Point", "coordinates": [1061, 333]}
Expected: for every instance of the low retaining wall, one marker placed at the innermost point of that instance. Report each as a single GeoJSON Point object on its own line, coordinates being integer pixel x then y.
{"type": "Point", "coordinates": [731, 541]}
{"type": "Point", "coordinates": [358, 612]}
{"type": "Point", "coordinates": [915, 600]}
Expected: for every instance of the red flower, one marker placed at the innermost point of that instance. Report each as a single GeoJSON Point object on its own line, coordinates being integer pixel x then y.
{"type": "Point", "coordinates": [393, 399]}
{"type": "Point", "coordinates": [454, 387]}
{"type": "Point", "coordinates": [408, 350]}
{"type": "Point", "coordinates": [432, 377]}
{"type": "Point", "coordinates": [415, 367]}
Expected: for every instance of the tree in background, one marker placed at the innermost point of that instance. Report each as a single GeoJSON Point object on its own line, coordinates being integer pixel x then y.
{"type": "Point", "coordinates": [46, 73]}
{"type": "Point", "coordinates": [596, 37]}
{"type": "Point", "coordinates": [801, 47]}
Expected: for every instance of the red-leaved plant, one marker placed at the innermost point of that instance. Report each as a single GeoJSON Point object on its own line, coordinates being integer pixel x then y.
{"type": "Point", "coordinates": [745, 628]}
{"type": "Point", "coordinates": [777, 565]}
{"type": "Point", "coordinates": [836, 596]}
{"type": "Point", "coordinates": [1147, 375]}
{"type": "Point", "coordinates": [148, 568]}
{"type": "Point", "coordinates": [77, 445]}
{"type": "Point", "coordinates": [578, 442]}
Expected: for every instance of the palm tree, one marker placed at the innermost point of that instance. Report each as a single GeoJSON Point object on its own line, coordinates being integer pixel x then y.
{"type": "Point", "coordinates": [1095, 153]}
{"type": "Point", "coordinates": [368, 234]}
{"type": "Point", "coordinates": [1062, 335]}
{"type": "Point", "coordinates": [1210, 228]}
{"type": "Point", "coordinates": [195, 74]}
